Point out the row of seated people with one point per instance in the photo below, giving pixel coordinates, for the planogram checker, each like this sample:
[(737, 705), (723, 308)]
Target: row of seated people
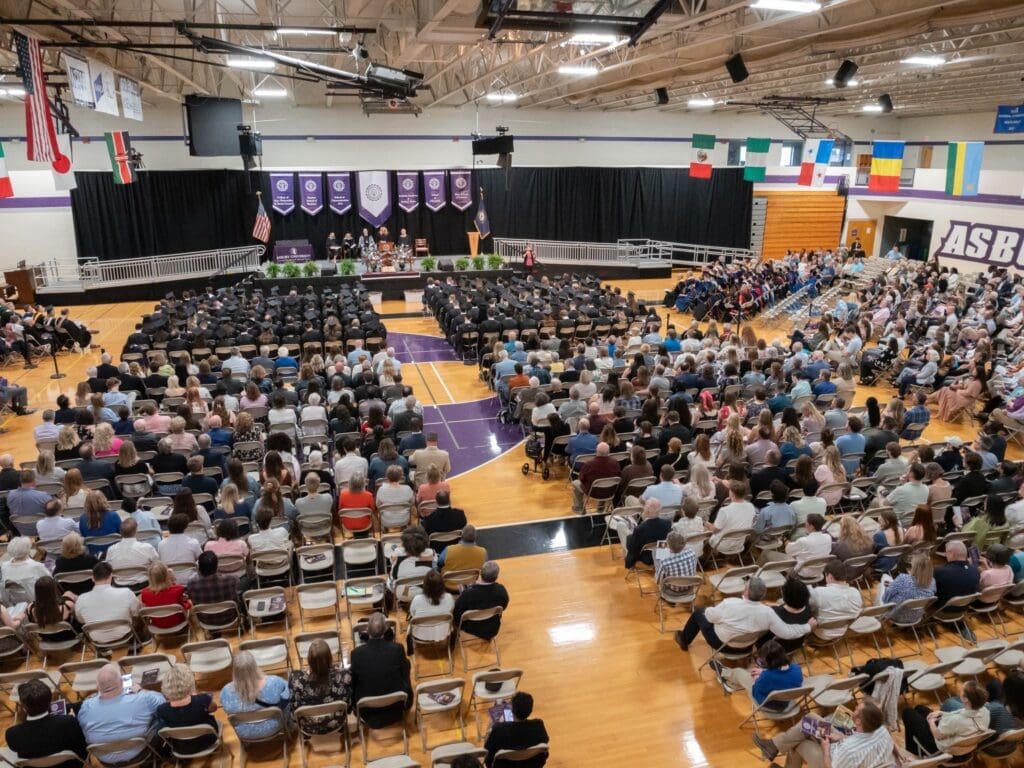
[(35, 330)]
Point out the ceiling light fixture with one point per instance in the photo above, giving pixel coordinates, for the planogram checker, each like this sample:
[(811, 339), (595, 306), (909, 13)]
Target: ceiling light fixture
[(701, 102), (501, 97), (872, 108), (794, 6), (304, 31), (579, 71), (851, 83), (14, 93), (270, 93), (249, 63), (596, 38), (924, 61)]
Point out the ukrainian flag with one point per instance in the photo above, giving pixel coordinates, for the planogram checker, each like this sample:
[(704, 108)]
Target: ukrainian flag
[(963, 167), (886, 165)]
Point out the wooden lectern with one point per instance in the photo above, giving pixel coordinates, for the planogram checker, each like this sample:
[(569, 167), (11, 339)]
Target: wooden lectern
[(24, 283)]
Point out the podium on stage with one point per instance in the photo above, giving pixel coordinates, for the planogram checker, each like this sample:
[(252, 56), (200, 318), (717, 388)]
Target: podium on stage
[(23, 281), (298, 251)]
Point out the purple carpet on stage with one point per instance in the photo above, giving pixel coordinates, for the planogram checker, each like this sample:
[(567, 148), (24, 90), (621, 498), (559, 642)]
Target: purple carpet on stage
[(470, 432)]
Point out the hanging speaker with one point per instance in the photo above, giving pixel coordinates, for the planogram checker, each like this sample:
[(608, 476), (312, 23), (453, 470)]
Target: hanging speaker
[(662, 94), (844, 74), (885, 102), (737, 69)]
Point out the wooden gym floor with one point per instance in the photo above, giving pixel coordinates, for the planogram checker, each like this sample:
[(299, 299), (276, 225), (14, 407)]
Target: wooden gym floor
[(612, 690)]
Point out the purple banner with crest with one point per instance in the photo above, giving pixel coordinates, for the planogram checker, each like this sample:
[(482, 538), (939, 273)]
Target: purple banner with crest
[(433, 184), (408, 190), (462, 189), (282, 192), (374, 196), (339, 191), (311, 193)]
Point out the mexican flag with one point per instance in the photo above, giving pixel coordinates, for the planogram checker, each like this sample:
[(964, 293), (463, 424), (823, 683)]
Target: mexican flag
[(757, 159), (700, 163), (6, 190)]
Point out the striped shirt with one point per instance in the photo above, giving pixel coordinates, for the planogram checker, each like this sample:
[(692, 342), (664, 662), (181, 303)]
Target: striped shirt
[(863, 750)]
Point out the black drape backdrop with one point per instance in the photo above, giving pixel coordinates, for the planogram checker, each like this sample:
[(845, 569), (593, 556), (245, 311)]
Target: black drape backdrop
[(179, 211)]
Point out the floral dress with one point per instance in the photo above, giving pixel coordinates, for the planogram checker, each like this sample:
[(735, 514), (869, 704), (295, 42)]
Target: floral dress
[(307, 693)]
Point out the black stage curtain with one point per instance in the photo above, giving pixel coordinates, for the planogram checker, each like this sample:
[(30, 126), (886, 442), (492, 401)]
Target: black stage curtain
[(178, 211)]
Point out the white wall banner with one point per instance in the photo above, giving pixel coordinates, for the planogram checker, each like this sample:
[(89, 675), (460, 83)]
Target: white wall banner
[(131, 99), (80, 81), (993, 244), (104, 86)]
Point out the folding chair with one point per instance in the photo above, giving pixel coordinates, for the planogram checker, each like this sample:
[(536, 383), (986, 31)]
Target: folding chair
[(431, 625), (320, 599), (731, 544), (271, 653), (814, 641), (917, 608), (676, 591), (50, 761), (990, 604), (442, 756), (733, 581), (263, 715), (360, 553), (953, 613), (54, 638), (218, 617), (369, 703), (973, 661), (303, 640), (113, 753), (794, 703), (432, 698), (506, 682), (831, 692), (176, 738), (322, 712), (316, 561), (209, 657), (928, 678), (465, 636), (158, 614), (367, 592), (138, 666), (272, 564), (10, 681), (316, 527), (107, 636), (509, 758), (80, 676)]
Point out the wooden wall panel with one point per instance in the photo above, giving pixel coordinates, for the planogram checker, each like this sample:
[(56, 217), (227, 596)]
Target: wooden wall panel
[(797, 220)]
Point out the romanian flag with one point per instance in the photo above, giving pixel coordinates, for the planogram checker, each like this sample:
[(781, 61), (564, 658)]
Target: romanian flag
[(701, 163), (963, 167), (756, 162), (119, 147), (6, 190), (886, 166), (815, 162)]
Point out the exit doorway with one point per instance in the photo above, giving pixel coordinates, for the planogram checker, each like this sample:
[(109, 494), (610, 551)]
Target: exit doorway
[(912, 237)]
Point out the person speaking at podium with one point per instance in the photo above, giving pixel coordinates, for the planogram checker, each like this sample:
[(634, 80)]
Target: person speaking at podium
[(366, 243)]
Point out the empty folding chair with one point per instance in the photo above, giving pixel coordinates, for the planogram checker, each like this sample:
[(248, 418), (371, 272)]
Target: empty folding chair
[(316, 562), (369, 704), (80, 676), (431, 632), (365, 593), (323, 724), (319, 600), (439, 697), (928, 678)]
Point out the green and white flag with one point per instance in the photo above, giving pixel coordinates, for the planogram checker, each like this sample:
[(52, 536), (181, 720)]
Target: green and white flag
[(757, 159)]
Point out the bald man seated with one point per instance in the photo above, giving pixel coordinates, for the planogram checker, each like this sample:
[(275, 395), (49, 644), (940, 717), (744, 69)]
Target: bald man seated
[(110, 714)]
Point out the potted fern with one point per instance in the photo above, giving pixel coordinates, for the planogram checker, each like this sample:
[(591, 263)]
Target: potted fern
[(311, 269), (428, 264), (494, 261), (478, 262), (273, 270), (461, 264), (291, 270), (346, 267)]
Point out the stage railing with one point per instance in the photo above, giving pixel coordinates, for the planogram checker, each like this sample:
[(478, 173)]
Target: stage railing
[(93, 273), (638, 252)]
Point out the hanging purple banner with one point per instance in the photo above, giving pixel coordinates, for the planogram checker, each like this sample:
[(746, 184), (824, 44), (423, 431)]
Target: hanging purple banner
[(282, 192), (408, 191), (462, 189), (374, 196), (433, 183), (311, 193), (339, 191)]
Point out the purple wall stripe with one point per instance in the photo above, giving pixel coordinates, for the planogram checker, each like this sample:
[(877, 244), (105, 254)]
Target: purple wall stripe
[(35, 202)]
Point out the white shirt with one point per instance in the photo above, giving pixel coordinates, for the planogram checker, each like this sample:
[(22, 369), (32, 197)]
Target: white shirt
[(131, 553), (236, 365), (817, 544), (46, 431), (314, 413), (832, 603), (737, 616), (733, 517), (180, 548), (348, 465), (421, 606), (24, 573), (272, 538), (107, 603), (56, 527)]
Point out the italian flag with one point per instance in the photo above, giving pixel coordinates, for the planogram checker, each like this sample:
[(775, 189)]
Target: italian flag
[(119, 149), (700, 164), (6, 190), (757, 159)]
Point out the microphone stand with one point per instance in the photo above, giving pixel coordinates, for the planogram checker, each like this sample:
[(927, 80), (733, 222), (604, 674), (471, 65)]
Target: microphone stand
[(56, 370)]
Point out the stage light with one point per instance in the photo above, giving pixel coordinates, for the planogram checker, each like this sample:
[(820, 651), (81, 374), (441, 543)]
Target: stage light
[(250, 63), (794, 6), (270, 93), (872, 108), (502, 97), (578, 71), (924, 61), (700, 102), (305, 31)]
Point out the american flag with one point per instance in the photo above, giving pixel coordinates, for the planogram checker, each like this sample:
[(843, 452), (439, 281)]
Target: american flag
[(261, 229), (42, 139)]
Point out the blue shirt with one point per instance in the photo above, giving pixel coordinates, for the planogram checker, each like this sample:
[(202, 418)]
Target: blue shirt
[(669, 494), (273, 693), (288, 362), (851, 442), (125, 717), (774, 515), (823, 388), (505, 367), (790, 676), (110, 524), (779, 403), (581, 443)]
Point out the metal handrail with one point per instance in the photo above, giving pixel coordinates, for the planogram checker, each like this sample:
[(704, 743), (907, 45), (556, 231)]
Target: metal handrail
[(93, 273), (640, 252)]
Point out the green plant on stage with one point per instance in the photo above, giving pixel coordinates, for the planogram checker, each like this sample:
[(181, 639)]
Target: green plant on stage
[(428, 264), (494, 261), (461, 264), (273, 270), (291, 270), (346, 267), (311, 269), (478, 262)]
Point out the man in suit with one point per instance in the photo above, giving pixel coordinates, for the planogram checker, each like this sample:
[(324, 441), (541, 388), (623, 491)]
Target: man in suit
[(521, 733), (43, 734), (93, 469), (486, 593), (445, 518), (761, 480), (380, 666), (430, 456)]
